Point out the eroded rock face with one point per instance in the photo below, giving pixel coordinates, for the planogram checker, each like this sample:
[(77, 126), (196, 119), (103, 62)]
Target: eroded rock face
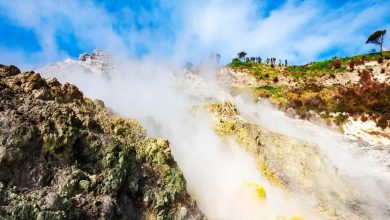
[(295, 165), (64, 156)]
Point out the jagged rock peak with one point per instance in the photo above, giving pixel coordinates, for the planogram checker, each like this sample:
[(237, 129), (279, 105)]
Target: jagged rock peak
[(97, 61), (95, 55)]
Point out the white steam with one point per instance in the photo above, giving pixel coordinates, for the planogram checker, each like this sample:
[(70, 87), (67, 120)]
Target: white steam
[(363, 164), (217, 171), (160, 96)]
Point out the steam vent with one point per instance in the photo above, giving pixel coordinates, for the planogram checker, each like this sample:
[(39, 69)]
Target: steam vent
[(194, 110)]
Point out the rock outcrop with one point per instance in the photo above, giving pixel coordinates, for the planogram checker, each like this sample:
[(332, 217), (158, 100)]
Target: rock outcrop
[(295, 165), (98, 61), (64, 156)]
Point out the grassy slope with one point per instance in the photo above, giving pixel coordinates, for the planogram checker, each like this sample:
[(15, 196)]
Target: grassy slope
[(310, 70), (369, 97)]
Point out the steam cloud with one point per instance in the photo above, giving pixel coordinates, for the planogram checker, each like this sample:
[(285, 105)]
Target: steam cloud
[(160, 96), (217, 172), (153, 90)]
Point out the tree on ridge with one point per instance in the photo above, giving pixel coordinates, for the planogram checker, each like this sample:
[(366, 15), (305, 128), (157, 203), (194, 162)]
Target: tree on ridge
[(377, 38), (241, 55)]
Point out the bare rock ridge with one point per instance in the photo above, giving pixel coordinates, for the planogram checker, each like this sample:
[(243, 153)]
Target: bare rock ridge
[(64, 156)]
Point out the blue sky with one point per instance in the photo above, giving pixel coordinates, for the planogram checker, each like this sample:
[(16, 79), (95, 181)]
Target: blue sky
[(34, 33)]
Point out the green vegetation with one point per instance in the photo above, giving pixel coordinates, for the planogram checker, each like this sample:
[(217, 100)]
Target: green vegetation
[(271, 89), (327, 66), (260, 71), (369, 56), (236, 63), (333, 66)]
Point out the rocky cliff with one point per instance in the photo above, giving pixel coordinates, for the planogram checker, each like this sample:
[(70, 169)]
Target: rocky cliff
[(64, 156)]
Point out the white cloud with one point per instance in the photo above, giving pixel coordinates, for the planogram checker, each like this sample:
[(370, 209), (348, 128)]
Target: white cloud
[(298, 30), (90, 24)]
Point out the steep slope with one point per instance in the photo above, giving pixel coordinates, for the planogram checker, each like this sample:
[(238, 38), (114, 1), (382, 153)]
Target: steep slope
[(299, 166), (64, 156)]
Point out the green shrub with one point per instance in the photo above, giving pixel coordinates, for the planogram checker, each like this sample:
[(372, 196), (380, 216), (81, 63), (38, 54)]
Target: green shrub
[(271, 89)]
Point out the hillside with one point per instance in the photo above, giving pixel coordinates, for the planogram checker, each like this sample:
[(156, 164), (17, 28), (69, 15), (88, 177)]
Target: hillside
[(350, 93), (64, 156)]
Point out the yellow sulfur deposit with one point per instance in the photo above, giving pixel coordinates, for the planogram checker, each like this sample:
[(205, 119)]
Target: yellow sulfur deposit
[(260, 190), (269, 174), (295, 218)]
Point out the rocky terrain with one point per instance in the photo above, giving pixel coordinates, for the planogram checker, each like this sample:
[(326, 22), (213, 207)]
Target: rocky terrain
[(296, 165), (350, 94), (64, 156)]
